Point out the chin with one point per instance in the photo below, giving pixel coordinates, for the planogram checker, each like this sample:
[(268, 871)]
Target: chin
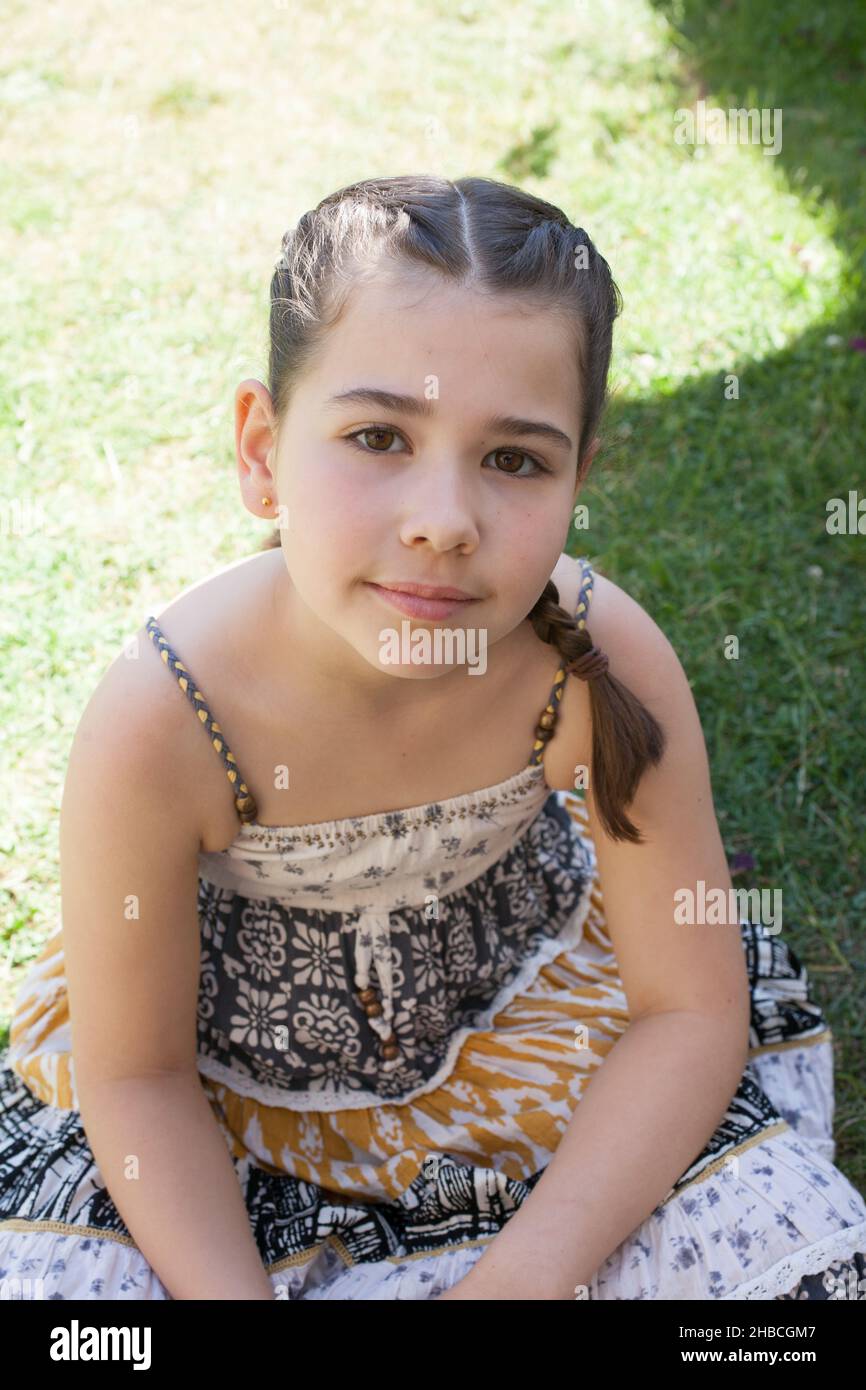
[(405, 671)]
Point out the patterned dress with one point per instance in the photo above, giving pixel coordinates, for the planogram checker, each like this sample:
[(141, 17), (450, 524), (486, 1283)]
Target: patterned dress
[(397, 1015)]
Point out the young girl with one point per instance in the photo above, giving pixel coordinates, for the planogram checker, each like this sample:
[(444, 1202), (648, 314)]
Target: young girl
[(386, 989)]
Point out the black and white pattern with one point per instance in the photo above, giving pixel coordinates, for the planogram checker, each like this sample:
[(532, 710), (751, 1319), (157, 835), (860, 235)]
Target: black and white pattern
[(49, 1181), (278, 1007)]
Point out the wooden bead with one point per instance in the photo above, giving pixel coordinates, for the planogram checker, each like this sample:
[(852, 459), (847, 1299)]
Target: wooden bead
[(367, 995), (389, 1052), (373, 1009), (547, 720)]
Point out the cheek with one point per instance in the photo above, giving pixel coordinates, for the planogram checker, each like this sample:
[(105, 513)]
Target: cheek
[(532, 540), (531, 532), (327, 503), (332, 512)]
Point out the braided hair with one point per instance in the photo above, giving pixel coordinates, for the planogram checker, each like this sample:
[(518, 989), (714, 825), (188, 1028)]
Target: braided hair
[(617, 715)]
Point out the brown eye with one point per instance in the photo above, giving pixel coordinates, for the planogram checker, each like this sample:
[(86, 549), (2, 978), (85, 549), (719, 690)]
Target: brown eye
[(514, 454), (389, 434), (377, 430), (519, 456)]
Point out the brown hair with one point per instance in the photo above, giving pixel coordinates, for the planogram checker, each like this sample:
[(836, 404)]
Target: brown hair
[(496, 239)]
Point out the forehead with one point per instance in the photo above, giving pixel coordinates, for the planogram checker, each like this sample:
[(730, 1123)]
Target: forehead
[(398, 328)]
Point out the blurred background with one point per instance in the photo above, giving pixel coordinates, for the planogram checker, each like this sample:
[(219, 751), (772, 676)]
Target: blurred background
[(151, 157)]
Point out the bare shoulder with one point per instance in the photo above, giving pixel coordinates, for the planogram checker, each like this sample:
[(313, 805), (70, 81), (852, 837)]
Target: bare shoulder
[(639, 654), (138, 718), (133, 734)]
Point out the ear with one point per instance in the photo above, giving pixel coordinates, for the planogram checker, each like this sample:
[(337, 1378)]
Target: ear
[(255, 446), (583, 470)]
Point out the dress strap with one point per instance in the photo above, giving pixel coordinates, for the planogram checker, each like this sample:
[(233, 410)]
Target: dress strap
[(245, 804), (549, 715)]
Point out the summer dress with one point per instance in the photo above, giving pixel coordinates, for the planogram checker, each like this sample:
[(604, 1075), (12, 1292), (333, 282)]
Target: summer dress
[(397, 1015)]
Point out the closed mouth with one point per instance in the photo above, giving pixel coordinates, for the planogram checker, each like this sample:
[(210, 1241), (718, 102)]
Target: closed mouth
[(426, 591)]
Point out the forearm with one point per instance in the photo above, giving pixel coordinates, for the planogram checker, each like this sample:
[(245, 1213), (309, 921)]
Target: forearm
[(643, 1118), (171, 1177)]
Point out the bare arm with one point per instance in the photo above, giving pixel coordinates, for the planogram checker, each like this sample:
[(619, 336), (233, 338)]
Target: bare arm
[(130, 832), (646, 1114), (171, 1177)]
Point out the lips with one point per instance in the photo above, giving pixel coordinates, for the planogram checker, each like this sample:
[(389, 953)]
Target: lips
[(424, 590), (418, 605)]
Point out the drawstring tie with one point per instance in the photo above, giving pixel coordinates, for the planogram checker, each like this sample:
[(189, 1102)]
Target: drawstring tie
[(374, 948)]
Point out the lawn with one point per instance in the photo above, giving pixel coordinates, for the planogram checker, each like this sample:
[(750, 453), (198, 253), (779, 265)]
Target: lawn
[(151, 157)]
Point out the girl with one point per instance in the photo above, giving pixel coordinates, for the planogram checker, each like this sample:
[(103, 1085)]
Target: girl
[(376, 992)]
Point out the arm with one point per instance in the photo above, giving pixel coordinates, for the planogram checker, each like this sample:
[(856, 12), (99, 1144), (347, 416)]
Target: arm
[(644, 1117), (665, 1086), (180, 1198), (129, 840)]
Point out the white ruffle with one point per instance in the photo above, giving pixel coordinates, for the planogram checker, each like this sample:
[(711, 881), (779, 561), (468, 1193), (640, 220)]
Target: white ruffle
[(783, 1277), (799, 1083), (767, 1217), (411, 1280), (73, 1266)]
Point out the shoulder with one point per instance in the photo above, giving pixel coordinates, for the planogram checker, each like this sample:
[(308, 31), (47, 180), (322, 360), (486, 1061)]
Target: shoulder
[(639, 654), (205, 626), (128, 770), (135, 728)]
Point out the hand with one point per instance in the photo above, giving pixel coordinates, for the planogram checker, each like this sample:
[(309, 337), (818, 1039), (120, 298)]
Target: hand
[(474, 1286), (478, 1284)]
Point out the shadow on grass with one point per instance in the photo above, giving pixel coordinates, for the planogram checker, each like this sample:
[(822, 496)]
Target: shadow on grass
[(713, 514)]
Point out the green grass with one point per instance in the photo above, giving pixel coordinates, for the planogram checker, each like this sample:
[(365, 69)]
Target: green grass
[(146, 188)]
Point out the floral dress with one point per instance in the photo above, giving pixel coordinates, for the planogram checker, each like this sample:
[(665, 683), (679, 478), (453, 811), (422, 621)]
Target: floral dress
[(397, 1016)]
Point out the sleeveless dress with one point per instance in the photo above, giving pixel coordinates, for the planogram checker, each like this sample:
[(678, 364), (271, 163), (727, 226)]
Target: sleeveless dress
[(397, 1016)]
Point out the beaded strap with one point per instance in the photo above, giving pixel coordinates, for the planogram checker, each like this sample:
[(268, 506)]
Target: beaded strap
[(244, 801), (546, 726)]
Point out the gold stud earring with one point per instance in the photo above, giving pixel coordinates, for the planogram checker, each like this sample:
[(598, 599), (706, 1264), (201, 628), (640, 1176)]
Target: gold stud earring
[(266, 501)]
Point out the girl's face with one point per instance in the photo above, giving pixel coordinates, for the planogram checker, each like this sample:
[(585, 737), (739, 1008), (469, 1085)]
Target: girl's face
[(428, 488)]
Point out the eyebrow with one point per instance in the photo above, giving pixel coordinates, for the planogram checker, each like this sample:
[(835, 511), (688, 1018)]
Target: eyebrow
[(511, 425)]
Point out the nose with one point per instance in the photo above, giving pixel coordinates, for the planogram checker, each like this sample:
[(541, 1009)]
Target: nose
[(440, 509)]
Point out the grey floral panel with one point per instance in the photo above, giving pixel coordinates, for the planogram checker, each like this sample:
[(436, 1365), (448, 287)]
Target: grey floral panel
[(278, 1001)]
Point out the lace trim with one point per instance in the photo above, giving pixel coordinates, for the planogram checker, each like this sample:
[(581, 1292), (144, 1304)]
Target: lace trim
[(21, 1225), (248, 1086), (782, 1277)]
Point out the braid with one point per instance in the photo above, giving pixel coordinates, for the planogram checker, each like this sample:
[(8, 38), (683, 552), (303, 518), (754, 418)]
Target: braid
[(626, 738)]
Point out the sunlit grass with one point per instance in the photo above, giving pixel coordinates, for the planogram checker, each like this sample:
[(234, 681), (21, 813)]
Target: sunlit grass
[(151, 158)]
